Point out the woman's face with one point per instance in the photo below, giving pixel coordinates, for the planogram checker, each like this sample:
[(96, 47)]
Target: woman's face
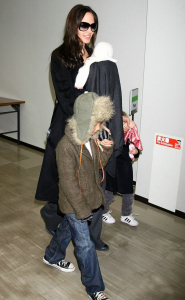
[(85, 36)]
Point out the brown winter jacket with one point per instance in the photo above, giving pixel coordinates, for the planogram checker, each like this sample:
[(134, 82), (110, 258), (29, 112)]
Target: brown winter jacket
[(68, 161)]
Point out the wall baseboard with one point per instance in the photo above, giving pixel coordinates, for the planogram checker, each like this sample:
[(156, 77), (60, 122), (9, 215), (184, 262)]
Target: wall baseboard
[(177, 213), (22, 143)]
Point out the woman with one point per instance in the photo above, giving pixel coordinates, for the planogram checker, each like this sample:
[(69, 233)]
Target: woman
[(81, 29)]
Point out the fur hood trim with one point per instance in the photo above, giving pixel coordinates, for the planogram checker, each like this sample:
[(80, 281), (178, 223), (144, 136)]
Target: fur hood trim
[(100, 110)]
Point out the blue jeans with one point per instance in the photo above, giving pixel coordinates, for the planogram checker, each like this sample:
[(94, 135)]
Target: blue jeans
[(85, 251)]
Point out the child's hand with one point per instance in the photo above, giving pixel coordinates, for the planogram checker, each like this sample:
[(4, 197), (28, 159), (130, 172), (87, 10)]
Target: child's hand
[(132, 157), (105, 143), (132, 124), (133, 151), (125, 127), (79, 88), (126, 124), (107, 129)]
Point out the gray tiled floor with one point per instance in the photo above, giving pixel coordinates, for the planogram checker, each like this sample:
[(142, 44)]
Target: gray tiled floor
[(143, 263)]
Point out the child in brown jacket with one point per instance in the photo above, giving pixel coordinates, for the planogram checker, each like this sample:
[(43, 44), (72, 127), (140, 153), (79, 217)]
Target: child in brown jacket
[(79, 160)]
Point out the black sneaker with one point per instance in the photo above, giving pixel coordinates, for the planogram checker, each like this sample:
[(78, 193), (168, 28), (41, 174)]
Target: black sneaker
[(63, 265), (98, 296)]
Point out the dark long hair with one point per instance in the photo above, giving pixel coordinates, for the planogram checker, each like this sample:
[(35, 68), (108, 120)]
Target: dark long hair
[(70, 52)]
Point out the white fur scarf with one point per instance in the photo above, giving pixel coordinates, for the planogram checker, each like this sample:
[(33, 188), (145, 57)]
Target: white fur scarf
[(103, 51)]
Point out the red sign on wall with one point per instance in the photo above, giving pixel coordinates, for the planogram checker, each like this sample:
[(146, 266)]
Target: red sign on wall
[(168, 142)]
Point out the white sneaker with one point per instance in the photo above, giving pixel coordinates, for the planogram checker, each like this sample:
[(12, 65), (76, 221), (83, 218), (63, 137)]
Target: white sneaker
[(62, 265), (98, 296), (129, 220), (107, 218)]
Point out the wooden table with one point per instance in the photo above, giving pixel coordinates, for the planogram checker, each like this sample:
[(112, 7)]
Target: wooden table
[(15, 104)]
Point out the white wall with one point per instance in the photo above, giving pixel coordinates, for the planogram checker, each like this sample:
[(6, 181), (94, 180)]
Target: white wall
[(164, 82), (30, 30)]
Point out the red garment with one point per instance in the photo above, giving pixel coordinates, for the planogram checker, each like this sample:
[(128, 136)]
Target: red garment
[(132, 135)]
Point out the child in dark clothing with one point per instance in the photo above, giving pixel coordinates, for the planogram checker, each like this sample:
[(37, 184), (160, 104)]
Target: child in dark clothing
[(123, 182)]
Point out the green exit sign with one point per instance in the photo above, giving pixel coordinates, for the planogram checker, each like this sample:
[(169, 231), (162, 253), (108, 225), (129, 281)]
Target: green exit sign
[(133, 104)]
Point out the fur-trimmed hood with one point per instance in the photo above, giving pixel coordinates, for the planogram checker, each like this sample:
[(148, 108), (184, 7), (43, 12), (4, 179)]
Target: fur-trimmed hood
[(89, 109)]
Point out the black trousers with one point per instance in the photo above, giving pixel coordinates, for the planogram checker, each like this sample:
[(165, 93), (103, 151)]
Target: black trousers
[(52, 218)]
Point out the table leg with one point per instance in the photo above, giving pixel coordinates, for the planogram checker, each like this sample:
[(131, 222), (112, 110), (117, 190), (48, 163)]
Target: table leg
[(18, 123), (17, 109)]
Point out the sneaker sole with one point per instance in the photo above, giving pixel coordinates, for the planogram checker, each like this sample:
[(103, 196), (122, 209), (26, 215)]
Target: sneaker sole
[(91, 297), (108, 222), (57, 267), (129, 224)]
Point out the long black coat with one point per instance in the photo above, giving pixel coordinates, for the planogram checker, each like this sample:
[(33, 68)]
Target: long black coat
[(123, 181), (63, 82), (104, 80)]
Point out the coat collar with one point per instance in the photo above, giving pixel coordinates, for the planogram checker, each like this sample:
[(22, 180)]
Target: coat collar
[(68, 133)]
